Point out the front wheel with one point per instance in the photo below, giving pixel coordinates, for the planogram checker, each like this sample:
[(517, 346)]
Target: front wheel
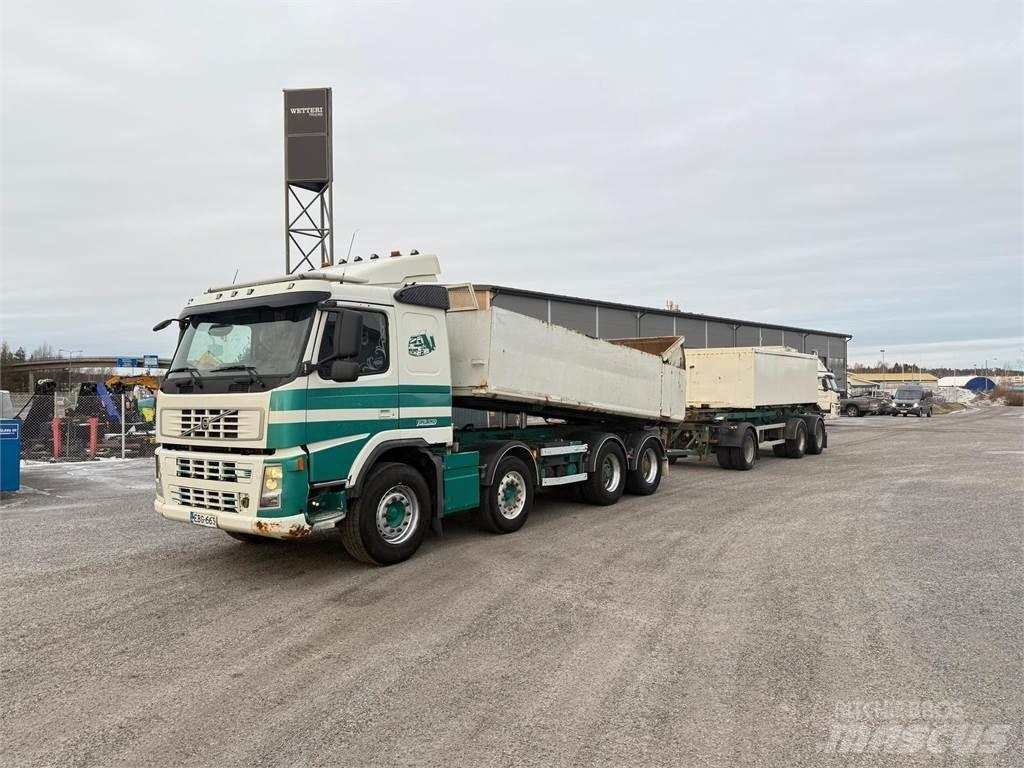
[(387, 523), (852, 410), (929, 414), (645, 479), (505, 505), (606, 483)]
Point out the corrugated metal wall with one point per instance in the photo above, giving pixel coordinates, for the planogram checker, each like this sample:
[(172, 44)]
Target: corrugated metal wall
[(617, 323)]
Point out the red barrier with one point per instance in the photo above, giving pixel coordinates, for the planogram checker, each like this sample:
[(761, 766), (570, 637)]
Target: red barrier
[(94, 436), (56, 439)]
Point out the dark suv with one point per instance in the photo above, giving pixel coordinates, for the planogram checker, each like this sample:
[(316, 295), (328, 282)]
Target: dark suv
[(915, 400)]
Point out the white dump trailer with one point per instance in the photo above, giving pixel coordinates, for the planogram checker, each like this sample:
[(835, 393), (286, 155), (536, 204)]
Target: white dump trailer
[(750, 377), (742, 398), (500, 359)]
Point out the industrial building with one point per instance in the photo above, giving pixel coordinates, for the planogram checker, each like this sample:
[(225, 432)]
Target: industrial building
[(610, 320)]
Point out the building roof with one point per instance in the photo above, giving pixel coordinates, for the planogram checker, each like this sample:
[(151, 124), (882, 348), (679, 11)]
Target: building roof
[(855, 380), (963, 381), (655, 310), (879, 378)]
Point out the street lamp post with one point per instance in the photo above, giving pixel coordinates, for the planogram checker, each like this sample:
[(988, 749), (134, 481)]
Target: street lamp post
[(883, 361)]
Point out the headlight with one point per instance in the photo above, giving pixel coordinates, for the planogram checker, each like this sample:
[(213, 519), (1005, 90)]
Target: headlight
[(270, 496)]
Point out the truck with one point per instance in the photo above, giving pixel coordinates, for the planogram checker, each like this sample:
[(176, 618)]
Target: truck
[(329, 399), (326, 399), (828, 392), (740, 399)]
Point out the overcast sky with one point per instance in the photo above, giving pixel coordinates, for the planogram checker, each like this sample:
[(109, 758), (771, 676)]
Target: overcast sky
[(853, 167)]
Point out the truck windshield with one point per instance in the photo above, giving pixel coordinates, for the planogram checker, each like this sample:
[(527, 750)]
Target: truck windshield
[(269, 341)]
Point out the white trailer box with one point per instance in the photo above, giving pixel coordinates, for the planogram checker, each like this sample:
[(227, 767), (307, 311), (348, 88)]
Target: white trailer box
[(750, 377), (498, 355)]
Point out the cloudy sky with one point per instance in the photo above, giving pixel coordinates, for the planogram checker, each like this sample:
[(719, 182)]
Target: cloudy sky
[(854, 167)]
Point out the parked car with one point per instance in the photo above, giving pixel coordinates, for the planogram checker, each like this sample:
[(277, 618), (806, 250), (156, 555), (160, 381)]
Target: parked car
[(876, 401), (916, 400)]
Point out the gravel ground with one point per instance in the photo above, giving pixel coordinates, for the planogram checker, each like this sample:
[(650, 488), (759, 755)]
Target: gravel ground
[(792, 615)]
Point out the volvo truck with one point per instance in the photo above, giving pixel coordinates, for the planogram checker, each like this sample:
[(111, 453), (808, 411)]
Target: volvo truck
[(325, 399)]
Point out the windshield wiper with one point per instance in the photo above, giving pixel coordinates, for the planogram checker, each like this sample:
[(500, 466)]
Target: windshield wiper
[(254, 375), (191, 371)]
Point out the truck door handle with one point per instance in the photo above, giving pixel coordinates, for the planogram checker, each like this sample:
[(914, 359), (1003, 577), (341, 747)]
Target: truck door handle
[(385, 413)]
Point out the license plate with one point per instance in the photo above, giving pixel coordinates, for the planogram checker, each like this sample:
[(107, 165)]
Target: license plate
[(201, 518)]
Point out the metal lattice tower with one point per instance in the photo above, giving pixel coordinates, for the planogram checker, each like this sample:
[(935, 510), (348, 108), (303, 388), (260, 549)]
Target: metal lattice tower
[(308, 180)]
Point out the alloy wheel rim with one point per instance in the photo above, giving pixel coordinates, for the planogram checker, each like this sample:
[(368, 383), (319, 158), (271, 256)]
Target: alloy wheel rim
[(511, 495), (649, 465), (611, 472), (398, 514)]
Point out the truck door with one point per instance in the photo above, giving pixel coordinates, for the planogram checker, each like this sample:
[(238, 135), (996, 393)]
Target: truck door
[(343, 418), (425, 399)]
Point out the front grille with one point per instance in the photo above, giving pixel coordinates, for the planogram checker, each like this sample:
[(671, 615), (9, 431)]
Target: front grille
[(203, 498), (213, 469), (212, 423)]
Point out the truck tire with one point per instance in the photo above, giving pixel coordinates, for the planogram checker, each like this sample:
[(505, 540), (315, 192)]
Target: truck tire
[(796, 446), (852, 410), (929, 414), (724, 457), (816, 438), (645, 479), (604, 486), (506, 503), (745, 455), (387, 522)]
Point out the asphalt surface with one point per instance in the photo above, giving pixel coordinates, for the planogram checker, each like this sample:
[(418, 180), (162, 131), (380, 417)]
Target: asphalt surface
[(734, 618)]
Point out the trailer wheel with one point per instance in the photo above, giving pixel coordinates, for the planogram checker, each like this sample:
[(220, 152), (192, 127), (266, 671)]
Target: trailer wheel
[(387, 523), (745, 455), (816, 438), (604, 486), (724, 457), (645, 479), (506, 503), (796, 446)]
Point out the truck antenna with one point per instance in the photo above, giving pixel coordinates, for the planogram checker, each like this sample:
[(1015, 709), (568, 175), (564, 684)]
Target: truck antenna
[(348, 255), (235, 277)]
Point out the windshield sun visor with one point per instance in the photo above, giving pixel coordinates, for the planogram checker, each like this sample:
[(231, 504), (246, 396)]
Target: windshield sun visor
[(273, 301)]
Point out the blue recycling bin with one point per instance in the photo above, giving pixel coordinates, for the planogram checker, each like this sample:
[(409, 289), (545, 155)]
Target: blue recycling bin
[(10, 454)]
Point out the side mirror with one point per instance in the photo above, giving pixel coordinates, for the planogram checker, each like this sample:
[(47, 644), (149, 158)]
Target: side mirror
[(348, 335), (344, 370)]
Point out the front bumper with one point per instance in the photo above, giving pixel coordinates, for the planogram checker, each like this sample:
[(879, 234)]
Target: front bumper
[(292, 527), (227, 488)]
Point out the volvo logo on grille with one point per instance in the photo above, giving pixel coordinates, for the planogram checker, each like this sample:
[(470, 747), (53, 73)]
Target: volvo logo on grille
[(206, 421)]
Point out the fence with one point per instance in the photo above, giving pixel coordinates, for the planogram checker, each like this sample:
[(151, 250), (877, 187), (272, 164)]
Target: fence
[(62, 425)]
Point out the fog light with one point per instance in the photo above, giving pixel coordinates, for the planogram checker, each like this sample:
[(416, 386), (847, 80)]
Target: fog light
[(270, 497)]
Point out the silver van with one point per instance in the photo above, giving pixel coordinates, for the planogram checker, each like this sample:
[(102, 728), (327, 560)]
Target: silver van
[(915, 400)]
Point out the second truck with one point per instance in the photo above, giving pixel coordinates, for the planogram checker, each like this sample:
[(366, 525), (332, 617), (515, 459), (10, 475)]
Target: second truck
[(334, 399)]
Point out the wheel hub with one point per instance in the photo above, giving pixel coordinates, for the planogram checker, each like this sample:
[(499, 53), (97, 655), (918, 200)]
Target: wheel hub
[(398, 514), (511, 495)]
